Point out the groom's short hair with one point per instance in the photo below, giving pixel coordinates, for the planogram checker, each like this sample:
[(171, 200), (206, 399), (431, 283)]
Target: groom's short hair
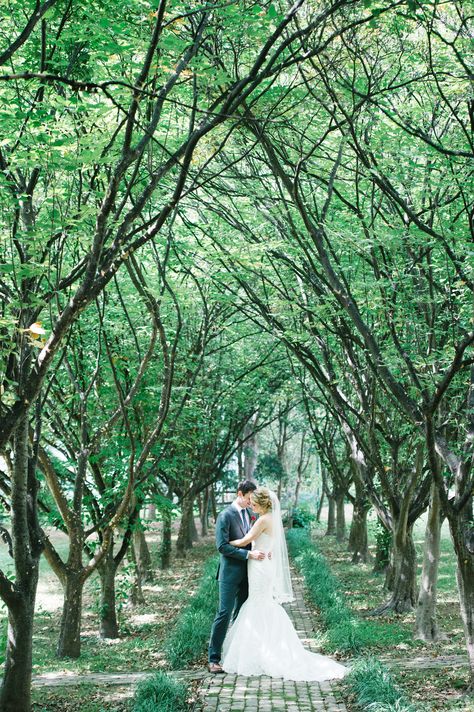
[(246, 486)]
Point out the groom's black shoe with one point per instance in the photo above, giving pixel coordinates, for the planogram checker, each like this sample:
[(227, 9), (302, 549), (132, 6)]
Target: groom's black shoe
[(215, 668)]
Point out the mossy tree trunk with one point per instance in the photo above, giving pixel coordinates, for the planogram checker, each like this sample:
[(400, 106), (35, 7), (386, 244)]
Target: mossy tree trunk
[(358, 537), (184, 541), (340, 516), (426, 620), (331, 525), (383, 549), (204, 511), (108, 621), (142, 554), (165, 545), (19, 595), (403, 594)]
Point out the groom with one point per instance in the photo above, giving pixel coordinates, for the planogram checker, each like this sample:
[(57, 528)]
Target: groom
[(232, 523)]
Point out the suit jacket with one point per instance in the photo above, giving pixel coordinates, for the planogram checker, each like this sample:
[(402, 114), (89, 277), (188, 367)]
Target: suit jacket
[(233, 560)]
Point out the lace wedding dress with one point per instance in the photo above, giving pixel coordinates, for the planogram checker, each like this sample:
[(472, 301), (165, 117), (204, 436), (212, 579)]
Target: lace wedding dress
[(263, 641)]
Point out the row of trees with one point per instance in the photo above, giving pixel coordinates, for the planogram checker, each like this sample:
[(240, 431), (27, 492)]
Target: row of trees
[(180, 239), (358, 262)]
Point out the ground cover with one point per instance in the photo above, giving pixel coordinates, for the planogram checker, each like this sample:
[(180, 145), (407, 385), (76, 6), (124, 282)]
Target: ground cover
[(144, 630), (83, 698), (434, 689)]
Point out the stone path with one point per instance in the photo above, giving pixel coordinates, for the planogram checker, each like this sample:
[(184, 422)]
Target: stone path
[(426, 662), (234, 693), (61, 679)]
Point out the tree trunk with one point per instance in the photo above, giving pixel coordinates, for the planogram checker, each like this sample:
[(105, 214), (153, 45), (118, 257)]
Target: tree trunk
[(340, 518), (165, 546), (404, 566), (15, 695), (426, 622), (142, 555), (280, 484), (136, 597), (184, 541), (383, 547), (319, 506), (331, 527), (240, 461), (213, 504), (250, 450), (108, 627), (150, 512), (358, 538), (69, 643), (204, 511), (297, 492), (193, 532), (465, 581)]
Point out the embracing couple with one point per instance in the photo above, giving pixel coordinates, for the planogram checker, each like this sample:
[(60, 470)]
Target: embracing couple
[(254, 580)]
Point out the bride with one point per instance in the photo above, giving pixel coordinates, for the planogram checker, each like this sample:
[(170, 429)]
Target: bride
[(263, 641)]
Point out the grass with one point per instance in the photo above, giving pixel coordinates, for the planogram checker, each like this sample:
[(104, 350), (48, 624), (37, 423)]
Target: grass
[(161, 693), (190, 637), (346, 632), (363, 591), (144, 628), (375, 689), (441, 689), (82, 698)]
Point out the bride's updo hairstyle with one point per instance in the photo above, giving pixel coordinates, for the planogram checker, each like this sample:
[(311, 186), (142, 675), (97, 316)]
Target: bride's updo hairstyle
[(261, 496)]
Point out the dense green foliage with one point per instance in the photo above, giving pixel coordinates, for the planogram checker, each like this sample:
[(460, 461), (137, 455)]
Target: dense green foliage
[(183, 248)]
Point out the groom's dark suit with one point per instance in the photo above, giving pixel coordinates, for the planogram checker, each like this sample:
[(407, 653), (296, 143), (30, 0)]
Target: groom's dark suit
[(232, 574)]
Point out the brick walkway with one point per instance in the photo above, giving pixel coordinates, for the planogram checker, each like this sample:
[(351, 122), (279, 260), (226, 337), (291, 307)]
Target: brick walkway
[(234, 693)]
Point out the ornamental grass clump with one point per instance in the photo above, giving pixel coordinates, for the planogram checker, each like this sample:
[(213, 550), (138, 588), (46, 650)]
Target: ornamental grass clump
[(346, 632), (161, 693), (298, 540), (375, 689), (324, 591), (190, 636)]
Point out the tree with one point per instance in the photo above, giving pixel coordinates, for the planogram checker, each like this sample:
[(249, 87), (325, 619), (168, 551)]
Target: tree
[(90, 173)]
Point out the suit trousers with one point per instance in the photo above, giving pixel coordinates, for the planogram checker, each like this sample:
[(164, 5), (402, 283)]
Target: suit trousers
[(231, 597)]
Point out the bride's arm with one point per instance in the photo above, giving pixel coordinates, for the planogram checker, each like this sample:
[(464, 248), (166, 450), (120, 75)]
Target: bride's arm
[(252, 534)]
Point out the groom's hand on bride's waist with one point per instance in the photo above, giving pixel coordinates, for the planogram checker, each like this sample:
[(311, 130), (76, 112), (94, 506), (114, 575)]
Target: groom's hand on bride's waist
[(256, 554)]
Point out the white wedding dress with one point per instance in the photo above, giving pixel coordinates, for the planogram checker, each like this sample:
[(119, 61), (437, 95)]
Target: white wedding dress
[(263, 641)]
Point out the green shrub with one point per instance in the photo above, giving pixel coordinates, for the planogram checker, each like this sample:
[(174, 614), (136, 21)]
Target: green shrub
[(375, 689), (161, 693), (301, 518), (189, 638)]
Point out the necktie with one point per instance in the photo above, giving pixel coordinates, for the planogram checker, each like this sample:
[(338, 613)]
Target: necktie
[(243, 514)]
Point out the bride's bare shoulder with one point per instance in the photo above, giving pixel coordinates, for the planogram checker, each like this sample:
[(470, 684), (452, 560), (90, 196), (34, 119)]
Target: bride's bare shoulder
[(267, 521)]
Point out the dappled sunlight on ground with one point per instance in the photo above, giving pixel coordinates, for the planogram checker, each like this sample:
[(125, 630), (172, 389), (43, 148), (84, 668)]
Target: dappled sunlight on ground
[(142, 618), (48, 599)]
